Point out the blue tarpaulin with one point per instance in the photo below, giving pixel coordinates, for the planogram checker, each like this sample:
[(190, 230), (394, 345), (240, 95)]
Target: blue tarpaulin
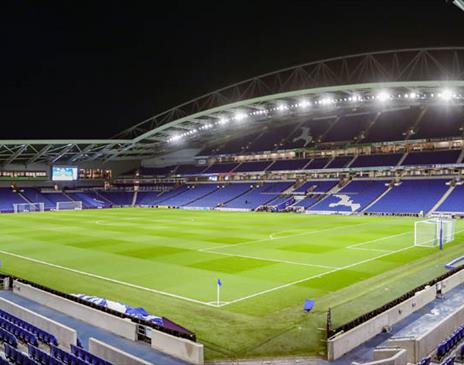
[(136, 312)]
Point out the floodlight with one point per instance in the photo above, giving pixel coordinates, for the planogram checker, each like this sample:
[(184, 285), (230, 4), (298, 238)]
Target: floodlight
[(383, 96), (240, 116), (446, 94)]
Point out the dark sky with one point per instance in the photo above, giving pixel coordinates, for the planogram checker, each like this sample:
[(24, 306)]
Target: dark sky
[(76, 69)]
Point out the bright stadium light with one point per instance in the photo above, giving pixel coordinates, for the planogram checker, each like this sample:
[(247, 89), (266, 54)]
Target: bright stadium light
[(303, 104), (240, 116), (383, 96), (446, 94)]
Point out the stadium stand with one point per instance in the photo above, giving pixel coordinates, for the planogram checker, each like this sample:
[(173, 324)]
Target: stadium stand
[(288, 165), (349, 127), (391, 125), (353, 197), (190, 195), (121, 198), (411, 197), (254, 166), (450, 123), (339, 162), (189, 170), (432, 158), (258, 195), (454, 203), (8, 198), (221, 196), (377, 160), (220, 168)]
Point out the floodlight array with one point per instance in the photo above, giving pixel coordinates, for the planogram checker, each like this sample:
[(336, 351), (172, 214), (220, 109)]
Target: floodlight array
[(380, 96)]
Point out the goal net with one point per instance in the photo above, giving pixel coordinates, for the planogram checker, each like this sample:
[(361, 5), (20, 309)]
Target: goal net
[(28, 207), (70, 205), (433, 232)]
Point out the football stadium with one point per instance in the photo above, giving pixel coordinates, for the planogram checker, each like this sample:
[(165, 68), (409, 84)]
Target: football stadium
[(310, 215)]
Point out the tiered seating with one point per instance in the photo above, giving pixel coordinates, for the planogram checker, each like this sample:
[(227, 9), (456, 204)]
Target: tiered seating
[(307, 133), (8, 198), (189, 170), (307, 201), (377, 160), (348, 127), (18, 332), (425, 361), (271, 139), (221, 168), (431, 158), (18, 357), (353, 197), (146, 197), (42, 357), (411, 197), (317, 164), (88, 357), (42, 335), (288, 165), (159, 200), (392, 125), (259, 196), (65, 357), (318, 186), (441, 122), (222, 195), (118, 197), (48, 198), (454, 203), (252, 166), (190, 195), (449, 343), (339, 162), (87, 200), (9, 338)]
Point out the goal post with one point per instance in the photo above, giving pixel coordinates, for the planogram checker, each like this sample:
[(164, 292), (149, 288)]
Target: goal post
[(434, 232), (28, 207), (69, 205)]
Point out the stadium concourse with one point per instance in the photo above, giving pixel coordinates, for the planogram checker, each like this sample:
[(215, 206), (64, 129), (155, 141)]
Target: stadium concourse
[(234, 209)]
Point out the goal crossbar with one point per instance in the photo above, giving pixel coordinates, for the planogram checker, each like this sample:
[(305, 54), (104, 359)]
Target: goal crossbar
[(69, 205), (28, 207)]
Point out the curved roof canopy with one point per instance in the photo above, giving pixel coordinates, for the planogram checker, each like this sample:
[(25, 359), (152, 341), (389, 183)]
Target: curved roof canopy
[(338, 83)]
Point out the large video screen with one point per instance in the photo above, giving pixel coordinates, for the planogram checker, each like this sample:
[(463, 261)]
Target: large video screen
[(64, 173)]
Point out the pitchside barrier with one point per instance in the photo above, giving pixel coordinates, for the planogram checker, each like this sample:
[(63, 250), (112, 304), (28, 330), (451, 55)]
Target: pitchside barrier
[(345, 338), (179, 343)]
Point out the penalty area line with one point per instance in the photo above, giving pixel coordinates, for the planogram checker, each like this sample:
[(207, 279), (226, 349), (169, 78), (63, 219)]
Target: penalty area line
[(313, 277), (108, 279)]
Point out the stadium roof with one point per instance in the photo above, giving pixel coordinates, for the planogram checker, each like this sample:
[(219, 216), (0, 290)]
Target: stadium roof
[(336, 81)]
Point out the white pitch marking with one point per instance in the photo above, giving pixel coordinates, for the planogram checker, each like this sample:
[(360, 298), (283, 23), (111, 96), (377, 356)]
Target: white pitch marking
[(288, 236), (313, 277), (107, 279), (273, 260), (376, 240)]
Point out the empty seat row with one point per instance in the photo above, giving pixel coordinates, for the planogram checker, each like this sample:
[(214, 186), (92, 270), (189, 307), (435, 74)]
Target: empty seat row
[(449, 361), (9, 338), (87, 356), (42, 335), (425, 361), (65, 357), (18, 332), (446, 345), (42, 357), (18, 357)]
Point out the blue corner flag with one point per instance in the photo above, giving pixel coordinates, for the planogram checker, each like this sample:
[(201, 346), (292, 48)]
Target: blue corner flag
[(219, 283)]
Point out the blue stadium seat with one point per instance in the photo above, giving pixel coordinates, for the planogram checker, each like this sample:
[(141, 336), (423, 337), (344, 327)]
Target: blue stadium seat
[(88, 357), (42, 335), (65, 357), (18, 357)]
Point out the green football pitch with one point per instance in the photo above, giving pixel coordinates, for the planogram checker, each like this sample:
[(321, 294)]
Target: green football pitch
[(169, 261)]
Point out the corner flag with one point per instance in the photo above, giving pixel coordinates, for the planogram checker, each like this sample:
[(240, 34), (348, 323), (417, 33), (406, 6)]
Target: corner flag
[(219, 284)]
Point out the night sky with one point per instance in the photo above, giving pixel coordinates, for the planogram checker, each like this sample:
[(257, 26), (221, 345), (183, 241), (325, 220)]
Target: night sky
[(76, 69)]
